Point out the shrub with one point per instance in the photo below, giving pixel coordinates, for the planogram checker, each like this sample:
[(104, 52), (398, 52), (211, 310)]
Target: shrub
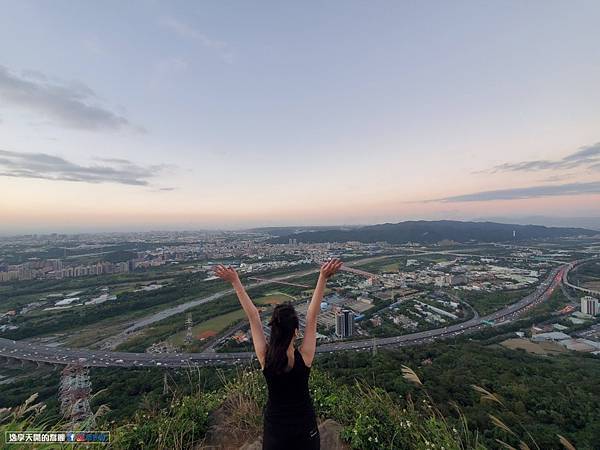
[(180, 426)]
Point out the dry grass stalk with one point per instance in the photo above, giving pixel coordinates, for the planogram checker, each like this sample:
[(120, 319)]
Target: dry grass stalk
[(505, 445), (410, 375), (565, 442), (496, 421), (485, 394)]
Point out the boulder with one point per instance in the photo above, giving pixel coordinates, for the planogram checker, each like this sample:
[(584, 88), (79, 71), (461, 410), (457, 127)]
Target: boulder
[(329, 430), (256, 445), (331, 439)]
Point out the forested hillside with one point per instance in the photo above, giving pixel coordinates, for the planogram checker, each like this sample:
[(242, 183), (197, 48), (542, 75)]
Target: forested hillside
[(423, 231)]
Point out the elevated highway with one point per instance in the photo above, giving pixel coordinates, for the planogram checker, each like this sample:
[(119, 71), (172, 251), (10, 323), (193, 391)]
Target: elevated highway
[(570, 267)]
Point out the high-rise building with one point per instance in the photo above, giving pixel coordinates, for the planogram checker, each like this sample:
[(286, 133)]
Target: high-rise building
[(589, 305), (56, 264), (344, 323)]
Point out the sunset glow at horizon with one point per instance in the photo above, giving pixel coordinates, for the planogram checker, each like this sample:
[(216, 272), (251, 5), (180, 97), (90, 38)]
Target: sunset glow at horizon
[(184, 115)]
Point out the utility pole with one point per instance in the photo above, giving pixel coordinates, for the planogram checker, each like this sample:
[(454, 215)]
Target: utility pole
[(188, 334), (165, 384)]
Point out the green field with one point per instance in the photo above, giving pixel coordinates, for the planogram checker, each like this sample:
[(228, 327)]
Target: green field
[(309, 292), (392, 267), (274, 298), (214, 325), (382, 264), (169, 327), (488, 302), (222, 322), (586, 275)]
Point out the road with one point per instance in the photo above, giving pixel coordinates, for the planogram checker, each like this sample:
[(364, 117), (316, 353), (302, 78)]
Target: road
[(578, 288), (12, 351)]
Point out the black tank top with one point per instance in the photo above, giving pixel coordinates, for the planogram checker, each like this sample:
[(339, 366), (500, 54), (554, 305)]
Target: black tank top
[(289, 400)]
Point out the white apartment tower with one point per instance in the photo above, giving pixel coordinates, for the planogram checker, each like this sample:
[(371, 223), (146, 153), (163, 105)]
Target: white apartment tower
[(589, 305), (344, 323)]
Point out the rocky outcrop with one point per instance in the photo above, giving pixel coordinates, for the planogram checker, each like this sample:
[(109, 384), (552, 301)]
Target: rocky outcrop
[(329, 429), (331, 438)]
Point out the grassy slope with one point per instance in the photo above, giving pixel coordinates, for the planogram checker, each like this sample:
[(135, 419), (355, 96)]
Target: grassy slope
[(541, 396)]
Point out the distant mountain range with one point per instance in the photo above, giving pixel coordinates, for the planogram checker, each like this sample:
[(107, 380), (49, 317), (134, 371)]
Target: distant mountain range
[(592, 223), (426, 232)]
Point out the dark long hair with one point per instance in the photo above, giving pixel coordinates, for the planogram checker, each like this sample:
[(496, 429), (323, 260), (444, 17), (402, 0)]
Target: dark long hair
[(284, 324)]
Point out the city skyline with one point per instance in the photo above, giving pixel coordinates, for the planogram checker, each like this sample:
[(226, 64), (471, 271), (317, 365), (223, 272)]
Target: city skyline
[(197, 116)]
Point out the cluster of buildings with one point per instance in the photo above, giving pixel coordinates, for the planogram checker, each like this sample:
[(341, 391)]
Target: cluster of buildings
[(418, 308), (568, 342), (58, 301), (37, 269), (255, 249), (589, 308), (55, 269), (476, 275), (556, 335), (338, 315)]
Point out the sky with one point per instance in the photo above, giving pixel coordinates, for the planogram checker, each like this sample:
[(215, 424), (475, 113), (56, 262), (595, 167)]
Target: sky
[(220, 114)]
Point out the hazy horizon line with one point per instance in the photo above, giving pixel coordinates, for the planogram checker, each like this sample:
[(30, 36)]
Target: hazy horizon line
[(550, 221)]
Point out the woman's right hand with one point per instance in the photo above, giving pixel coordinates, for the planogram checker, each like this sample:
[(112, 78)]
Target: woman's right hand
[(331, 267), (226, 273)]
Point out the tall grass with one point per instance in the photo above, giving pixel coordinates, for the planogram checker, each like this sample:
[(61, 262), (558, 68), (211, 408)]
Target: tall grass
[(27, 417), (371, 418), (181, 425), (522, 437)]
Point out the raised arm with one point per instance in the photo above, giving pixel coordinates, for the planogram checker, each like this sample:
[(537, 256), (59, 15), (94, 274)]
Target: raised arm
[(258, 335), (309, 344)]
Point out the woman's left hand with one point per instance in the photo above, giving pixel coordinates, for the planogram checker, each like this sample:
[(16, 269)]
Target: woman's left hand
[(227, 273), (331, 267)]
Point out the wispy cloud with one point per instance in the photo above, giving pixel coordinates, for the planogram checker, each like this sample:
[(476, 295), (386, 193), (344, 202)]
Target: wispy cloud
[(585, 157), (549, 190), (70, 104), (51, 167), (167, 70), (187, 31)]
